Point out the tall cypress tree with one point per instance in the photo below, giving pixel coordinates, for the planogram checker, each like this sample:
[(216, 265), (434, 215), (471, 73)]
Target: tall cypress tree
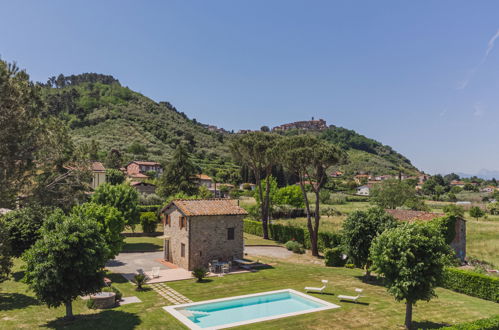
[(178, 176)]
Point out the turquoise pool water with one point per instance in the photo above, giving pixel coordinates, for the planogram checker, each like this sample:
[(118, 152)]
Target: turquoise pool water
[(249, 308)]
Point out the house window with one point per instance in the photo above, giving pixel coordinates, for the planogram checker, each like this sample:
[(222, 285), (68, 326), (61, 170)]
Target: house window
[(182, 250), (182, 222), (230, 234)]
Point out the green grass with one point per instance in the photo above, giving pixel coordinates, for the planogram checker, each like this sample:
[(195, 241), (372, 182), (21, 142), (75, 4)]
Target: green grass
[(19, 308), (257, 240), (142, 244)]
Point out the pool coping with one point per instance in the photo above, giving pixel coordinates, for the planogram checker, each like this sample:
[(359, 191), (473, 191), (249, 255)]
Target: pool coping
[(191, 325)]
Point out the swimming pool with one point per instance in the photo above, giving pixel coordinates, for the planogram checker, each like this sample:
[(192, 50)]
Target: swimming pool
[(234, 311)]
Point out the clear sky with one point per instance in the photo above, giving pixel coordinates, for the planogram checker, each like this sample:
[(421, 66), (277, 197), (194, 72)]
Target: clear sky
[(421, 76)]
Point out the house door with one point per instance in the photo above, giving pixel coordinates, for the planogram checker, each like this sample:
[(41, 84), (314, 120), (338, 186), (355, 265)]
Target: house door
[(166, 250)]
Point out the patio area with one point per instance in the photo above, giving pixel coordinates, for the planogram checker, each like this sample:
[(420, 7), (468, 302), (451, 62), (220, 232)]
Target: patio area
[(128, 264)]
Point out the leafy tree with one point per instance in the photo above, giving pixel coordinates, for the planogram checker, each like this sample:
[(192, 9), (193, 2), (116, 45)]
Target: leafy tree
[(271, 193), (359, 230), (411, 259), (438, 191), (470, 187), (110, 222), (149, 222), (5, 252), (455, 210), (137, 148), (289, 195), (309, 158), (493, 208), (416, 203), (265, 129), (257, 151), (430, 184), (114, 176), (20, 131), (476, 212), (178, 175), (392, 193), (114, 159), (23, 226), (67, 261), (123, 197)]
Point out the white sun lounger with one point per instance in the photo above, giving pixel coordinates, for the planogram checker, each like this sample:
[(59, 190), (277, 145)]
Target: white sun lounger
[(352, 298), (320, 290)]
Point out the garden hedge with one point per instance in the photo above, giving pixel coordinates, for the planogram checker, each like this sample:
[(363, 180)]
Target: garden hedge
[(149, 208), (491, 323), (471, 283), (333, 257), (283, 233)]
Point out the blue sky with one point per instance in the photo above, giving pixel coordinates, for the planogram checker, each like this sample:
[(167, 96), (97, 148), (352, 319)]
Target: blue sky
[(420, 76)]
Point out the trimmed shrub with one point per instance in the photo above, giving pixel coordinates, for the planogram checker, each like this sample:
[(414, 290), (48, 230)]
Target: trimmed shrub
[(491, 323), (471, 283), (284, 233), (351, 266), (333, 257), (149, 208), (148, 221), (295, 247), (90, 304)]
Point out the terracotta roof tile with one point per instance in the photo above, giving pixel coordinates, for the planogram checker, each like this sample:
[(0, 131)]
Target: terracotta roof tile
[(410, 215), (98, 167), (197, 207), (203, 177), (141, 162)]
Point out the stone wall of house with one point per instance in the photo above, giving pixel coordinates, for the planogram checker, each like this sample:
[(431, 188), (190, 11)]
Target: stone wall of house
[(459, 242), (177, 237), (146, 189), (209, 239)]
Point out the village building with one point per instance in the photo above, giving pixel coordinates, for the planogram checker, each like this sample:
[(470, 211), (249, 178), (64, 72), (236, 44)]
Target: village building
[(363, 190), (247, 186), (144, 187), (336, 174), (457, 183), (137, 170), (201, 230), (204, 180), (361, 178), (459, 241), (319, 124), (98, 174), (488, 189)]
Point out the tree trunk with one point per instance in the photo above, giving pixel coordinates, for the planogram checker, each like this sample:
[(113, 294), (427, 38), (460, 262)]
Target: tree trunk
[(315, 230), (307, 209), (69, 310), (408, 315), (262, 206), (368, 270)]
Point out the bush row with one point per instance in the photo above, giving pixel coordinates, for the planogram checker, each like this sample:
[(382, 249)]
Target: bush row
[(333, 257), (149, 208), (471, 283), (490, 323), (283, 233)]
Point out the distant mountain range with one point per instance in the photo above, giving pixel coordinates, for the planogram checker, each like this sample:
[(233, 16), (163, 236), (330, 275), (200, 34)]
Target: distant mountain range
[(483, 173)]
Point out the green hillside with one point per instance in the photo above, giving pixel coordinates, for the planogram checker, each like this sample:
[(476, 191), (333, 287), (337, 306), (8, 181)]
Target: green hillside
[(106, 115)]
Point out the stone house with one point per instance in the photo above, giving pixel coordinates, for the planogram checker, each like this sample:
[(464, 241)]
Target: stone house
[(459, 241), (200, 230), (144, 187), (137, 169), (204, 180), (363, 190), (98, 174)]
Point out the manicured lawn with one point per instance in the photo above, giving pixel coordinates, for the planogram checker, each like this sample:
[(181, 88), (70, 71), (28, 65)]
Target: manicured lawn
[(257, 240), (142, 244), (19, 309), (483, 239)]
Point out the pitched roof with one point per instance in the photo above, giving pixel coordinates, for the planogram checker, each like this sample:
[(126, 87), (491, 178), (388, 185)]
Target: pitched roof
[(137, 175), (147, 163), (203, 177), (215, 206), (140, 183), (410, 215), (98, 167)]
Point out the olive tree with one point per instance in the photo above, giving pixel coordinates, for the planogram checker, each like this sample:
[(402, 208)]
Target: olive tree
[(411, 258), (67, 261)]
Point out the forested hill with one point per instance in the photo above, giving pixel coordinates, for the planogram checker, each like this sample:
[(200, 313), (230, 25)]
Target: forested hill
[(106, 115)]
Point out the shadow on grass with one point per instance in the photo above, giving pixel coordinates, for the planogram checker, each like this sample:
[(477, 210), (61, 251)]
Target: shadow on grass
[(318, 294), (427, 325), (354, 303), (110, 319), (371, 280), (116, 278), (9, 301), (17, 276), (144, 289), (140, 247)]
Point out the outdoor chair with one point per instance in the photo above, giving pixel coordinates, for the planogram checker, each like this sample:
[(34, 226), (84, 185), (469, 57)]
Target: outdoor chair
[(155, 272), (225, 268), (318, 290), (352, 298)]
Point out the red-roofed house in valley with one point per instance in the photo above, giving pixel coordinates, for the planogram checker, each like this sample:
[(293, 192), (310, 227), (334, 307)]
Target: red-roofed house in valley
[(459, 241), (204, 180), (457, 183), (137, 169), (144, 187), (98, 174), (201, 230)]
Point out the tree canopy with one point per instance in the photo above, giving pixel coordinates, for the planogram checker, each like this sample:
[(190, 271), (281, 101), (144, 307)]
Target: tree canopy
[(392, 193), (67, 261), (5, 252), (411, 258), (179, 175), (123, 197)]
